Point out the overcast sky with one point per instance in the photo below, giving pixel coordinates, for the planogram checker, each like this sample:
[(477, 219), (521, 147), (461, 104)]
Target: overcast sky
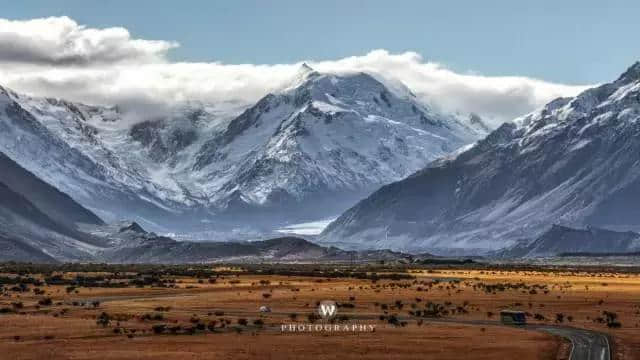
[(493, 58)]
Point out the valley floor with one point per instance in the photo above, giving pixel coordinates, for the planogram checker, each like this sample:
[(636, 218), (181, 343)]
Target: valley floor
[(200, 312)]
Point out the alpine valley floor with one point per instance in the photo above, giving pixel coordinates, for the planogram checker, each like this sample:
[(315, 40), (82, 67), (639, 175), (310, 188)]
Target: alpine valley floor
[(204, 312)]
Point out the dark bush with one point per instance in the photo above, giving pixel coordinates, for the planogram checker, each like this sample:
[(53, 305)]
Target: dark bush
[(313, 317), (45, 302), (159, 329), (104, 319), (212, 325), (17, 305)]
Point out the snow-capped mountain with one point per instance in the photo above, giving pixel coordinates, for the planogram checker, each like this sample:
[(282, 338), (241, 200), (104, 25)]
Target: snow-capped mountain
[(40, 224), (118, 167), (306, 152), (320, 145), (573, 162)]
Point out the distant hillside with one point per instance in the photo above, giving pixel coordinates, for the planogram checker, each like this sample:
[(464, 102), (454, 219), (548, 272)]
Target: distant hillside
[(12, 249), (29, 234), (564, 240), (130, 243), (39, 223), (57, 205)]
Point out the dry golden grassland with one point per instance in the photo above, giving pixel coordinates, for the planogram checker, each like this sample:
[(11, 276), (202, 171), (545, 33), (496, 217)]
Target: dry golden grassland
[(213, 313)]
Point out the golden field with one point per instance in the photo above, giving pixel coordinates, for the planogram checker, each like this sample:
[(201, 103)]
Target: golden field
[(213, 313)]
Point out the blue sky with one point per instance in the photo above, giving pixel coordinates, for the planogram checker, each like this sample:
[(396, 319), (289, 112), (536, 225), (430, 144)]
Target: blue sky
[(571, 42)]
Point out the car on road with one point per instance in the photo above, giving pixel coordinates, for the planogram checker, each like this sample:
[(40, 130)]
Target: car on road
[(513, 317)]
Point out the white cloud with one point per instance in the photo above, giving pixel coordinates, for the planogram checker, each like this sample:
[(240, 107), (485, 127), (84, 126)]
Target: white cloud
[(498, 98), (57, 57), (59, 41)]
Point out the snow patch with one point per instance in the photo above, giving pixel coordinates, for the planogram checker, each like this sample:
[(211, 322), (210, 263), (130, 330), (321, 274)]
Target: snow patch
[(307, 228)]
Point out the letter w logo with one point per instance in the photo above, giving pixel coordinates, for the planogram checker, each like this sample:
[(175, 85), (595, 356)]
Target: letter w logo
[(327, 309)]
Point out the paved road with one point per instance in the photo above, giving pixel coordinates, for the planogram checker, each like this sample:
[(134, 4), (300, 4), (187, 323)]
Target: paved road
[(587, 345)]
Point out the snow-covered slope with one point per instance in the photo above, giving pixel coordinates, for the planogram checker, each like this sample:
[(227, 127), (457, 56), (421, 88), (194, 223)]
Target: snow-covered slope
[(101, 158), (574, 162), (306, 152), (322, 144)]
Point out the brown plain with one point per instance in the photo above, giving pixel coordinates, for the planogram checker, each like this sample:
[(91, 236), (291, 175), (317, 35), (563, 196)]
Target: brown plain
[(64, 330)]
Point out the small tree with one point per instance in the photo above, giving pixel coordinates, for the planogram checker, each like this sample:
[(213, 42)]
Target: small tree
[(104, 319), (611, 319)]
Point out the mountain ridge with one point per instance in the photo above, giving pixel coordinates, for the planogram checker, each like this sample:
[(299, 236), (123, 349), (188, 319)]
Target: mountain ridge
[(328, 138), (39, 223), (566, 163)]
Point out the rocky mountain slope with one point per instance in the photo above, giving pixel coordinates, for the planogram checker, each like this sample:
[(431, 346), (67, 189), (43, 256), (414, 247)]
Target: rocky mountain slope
[(306, 152), (561, 239), (573, 162), (39, 223), (59, 206)]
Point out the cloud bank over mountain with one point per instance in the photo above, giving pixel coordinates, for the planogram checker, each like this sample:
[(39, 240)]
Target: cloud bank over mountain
[(60, 41), (58, 57)]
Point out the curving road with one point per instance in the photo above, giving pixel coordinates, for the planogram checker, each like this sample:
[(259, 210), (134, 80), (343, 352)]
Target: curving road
[(587, 345)]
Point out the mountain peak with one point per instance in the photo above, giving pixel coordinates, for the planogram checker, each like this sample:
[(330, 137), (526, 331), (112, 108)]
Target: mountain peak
[(632, 73), (303, 73), (134, 227), (305, 68)]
